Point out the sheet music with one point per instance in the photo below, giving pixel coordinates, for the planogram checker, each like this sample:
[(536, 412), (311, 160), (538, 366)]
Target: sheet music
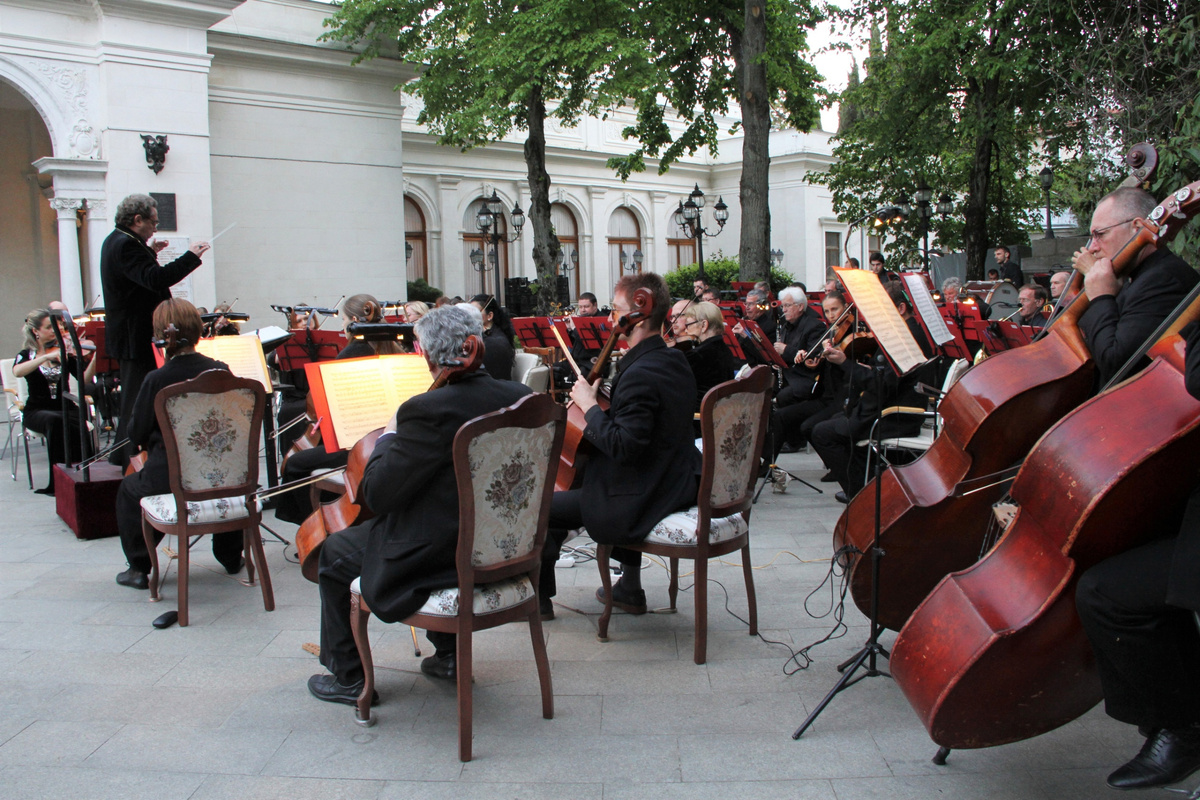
[(881, 316), (243, 354), (359, 402), (925, 306), (408, 376)]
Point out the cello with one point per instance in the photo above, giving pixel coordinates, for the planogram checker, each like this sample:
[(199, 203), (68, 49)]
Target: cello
[(991, 418), (348, 510), (996, 653)]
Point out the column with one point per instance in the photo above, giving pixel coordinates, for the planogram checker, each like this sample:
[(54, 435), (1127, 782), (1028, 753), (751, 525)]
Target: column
[(98, 228), (602, 280), (70, 278)]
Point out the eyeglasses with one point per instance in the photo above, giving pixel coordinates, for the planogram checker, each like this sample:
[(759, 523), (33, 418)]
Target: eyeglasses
[(693, 322), (1099, 232), (789, 305)]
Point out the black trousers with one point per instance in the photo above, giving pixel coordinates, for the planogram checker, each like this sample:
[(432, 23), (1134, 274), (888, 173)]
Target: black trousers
[(834, 440), (566, 514), (133, 375), (340, 563), (790, 420), (227, 547), (294, 506), (1146, 650), (49, 423)]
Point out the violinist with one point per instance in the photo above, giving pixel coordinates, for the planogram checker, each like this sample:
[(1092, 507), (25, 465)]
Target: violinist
[(1119, 318), (1031, 299), (294, 506), (45, 372), (499, 353), (412, 312), (183, 363), (678, 334), (222, 326), (645, 464), (710, 359), (834, 439), (1138, 609), (800, 329), (408, 550)]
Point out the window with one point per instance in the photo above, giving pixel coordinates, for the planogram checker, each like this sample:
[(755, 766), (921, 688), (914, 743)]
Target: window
[(414, 236), (624, 239), (681, 249), (833, 249), (568, 239)]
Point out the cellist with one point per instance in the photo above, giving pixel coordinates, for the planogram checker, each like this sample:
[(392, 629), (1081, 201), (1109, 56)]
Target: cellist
[(1120, 318), (644, 463)]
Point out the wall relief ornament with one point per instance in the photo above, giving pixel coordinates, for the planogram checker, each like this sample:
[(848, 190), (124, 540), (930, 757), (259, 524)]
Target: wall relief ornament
[(71, 85)]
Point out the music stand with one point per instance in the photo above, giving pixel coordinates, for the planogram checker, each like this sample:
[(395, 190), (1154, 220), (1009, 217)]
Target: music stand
[(534, 331), (593, 331)]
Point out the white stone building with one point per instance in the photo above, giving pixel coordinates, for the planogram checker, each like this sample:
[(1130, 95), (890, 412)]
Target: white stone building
[(317, 165)]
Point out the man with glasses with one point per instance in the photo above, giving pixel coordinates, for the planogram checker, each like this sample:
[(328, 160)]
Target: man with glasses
[(800, 329), (1123, 314), (134, 284)]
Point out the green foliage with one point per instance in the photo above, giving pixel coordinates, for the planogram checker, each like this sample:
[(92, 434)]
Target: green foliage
[(720, 272), (420, 290)]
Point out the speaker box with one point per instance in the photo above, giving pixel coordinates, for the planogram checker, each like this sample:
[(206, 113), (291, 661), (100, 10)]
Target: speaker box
[(89, 507)]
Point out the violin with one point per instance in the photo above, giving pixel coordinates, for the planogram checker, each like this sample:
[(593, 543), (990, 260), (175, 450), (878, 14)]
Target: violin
[(574, 448), (991, 418), (348, 509)]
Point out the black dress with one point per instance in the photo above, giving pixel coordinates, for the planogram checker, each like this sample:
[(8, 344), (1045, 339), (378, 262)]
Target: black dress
[(43, 411), (498, 354)]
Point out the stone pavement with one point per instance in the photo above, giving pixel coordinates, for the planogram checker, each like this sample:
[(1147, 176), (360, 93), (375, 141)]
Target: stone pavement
[(97, 704)]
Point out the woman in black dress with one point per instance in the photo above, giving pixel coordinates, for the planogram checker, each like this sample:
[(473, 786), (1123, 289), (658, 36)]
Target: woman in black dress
[(498, 335)]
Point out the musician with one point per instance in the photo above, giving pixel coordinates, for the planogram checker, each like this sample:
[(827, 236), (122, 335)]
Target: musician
[(758, 309), (711, 360), (45, 372), (1119, 319), (699, 287), (134, 284), (1009, 270), (412, 312), (800, 329), (1059, 279), (222, 326), (834, 439), (183, 363), (408, 550), (709, 296), (876, 264), (294, 506), (498, 335), (1138, 611), (993, 274), (586, 306), (644, 463), (1031, 300), (679, 334)]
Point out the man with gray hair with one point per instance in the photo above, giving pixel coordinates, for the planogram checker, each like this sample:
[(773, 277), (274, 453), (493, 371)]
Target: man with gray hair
[(134, 284), (1121, 314), (408, 550)]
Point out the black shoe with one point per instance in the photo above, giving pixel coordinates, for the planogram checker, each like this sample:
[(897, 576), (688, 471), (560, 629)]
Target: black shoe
[(841, 497), (1167, 757), (788, 447), (828, 477), (45, 490), (436, 666), (327, 688), (631, 602), (134, 579), (235, 567), (546, 608)]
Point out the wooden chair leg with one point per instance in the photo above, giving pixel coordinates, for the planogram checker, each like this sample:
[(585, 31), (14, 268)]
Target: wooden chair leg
[(184, 542), (701, 592), (248, 555), (465, 699), (542, 660), (264, 575), (360, 615), (673, 586), (751, 600), (152, 549), (603, 553)]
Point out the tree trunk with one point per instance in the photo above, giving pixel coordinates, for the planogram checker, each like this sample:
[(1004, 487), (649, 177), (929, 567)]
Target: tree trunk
[(754, 248), (546, 250), (975, 232)]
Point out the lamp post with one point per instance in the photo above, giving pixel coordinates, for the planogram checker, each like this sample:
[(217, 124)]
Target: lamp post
[(776, 258), (923, 197), (687, 216), (1046, 176), (634, 263), (488, 221)]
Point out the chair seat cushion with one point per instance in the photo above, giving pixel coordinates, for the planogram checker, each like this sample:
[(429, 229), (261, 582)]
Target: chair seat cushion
[(487, 598), (161, 508), (680, 528)]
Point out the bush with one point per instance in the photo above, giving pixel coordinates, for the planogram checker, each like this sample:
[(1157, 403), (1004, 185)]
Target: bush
[(420, 290), (720, 272)]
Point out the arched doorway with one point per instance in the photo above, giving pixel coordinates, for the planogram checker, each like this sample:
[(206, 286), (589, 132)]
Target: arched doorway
[(28, 226), (568, 241), (416, 251), (482, 269), (624, 243)]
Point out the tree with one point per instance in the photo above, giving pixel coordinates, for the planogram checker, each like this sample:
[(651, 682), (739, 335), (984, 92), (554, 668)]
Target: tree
[(492, 68), (710, 54)]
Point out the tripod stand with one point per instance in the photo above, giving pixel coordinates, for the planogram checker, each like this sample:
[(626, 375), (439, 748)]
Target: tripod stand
[(869, 653)]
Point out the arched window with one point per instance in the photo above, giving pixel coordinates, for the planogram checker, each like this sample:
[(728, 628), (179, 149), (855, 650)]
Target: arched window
[(568, 239), (624, 242), (484, 280), (681, 248), (416, 250)]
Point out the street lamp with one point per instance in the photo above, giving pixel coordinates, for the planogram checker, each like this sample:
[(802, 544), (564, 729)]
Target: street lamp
[(777, 258), (634, 263), (687, 217), (1046, 176), (924, 211), (491, 213)]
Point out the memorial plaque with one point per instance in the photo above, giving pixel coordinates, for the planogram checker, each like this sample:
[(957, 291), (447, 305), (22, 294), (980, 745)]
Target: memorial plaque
[(167, 220)]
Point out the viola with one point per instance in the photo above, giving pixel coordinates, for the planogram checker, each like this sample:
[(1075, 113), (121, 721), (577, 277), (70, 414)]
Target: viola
[(348, 509), (574, 445), (991, 419), (996, 653)]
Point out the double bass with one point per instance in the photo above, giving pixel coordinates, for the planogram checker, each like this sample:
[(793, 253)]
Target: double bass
[(996, 653)]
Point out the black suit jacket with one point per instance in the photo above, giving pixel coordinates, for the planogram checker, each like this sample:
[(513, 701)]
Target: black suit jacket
[(134, 284), (409, 483), (646, 465), (802, 335), (1115, 327)]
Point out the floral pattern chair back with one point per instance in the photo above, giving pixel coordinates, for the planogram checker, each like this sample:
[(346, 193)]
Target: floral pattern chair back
[(738, 426), (215, 433), (506, 463)]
